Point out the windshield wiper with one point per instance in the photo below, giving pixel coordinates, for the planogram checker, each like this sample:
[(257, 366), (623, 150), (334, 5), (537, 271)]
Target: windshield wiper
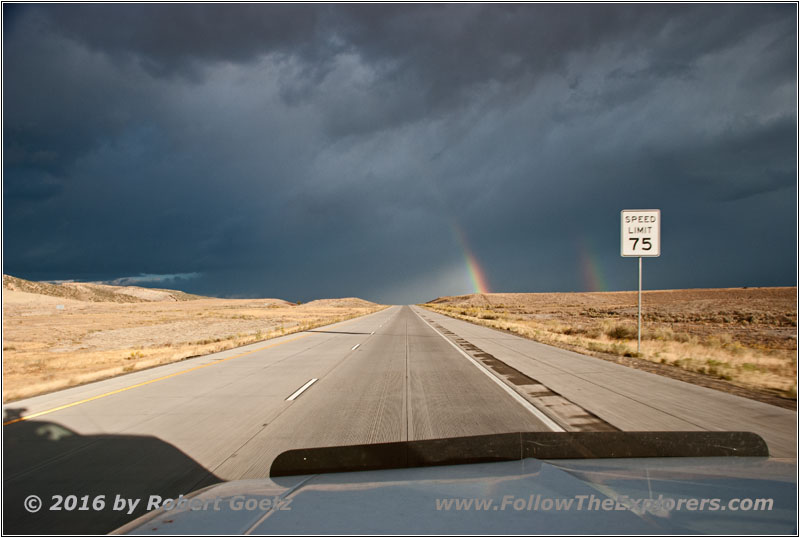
[(516, 446)]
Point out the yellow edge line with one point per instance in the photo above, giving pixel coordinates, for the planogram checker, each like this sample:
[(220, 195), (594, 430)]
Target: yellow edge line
[(34, 415)]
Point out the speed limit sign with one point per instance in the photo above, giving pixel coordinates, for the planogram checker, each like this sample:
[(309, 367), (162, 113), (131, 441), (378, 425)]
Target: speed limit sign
[(641, 233), (641, 238)]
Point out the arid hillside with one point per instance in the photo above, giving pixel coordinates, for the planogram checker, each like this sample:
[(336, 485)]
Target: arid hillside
[(84, 291), (60, 335), (734, 337)]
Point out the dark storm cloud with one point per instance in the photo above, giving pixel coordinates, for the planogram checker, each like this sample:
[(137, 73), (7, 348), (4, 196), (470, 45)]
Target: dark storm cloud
[(170, 38), (309, 150)]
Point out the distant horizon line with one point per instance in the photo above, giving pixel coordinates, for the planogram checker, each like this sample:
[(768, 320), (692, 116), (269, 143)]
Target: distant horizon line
[(240, 297)]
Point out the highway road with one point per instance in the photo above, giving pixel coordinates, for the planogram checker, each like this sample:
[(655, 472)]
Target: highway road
[(403, 373)]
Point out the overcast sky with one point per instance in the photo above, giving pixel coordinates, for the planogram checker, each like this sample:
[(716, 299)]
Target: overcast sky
[(305, 151)]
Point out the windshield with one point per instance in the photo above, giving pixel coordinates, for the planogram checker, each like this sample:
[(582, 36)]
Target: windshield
[(236, 235)]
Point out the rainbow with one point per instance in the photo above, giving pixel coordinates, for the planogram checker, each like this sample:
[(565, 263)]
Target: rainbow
[(476, 273), (593, 279)]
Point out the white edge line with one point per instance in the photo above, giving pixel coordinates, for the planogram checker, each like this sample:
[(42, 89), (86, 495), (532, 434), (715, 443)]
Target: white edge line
[(525, 403), (354, 347), (299, 391)]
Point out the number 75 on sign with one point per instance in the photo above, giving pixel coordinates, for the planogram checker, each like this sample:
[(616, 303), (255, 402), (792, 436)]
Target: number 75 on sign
[(641, 233)]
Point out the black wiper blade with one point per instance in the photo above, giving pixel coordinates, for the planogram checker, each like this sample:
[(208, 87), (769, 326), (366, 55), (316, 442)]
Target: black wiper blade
[(516, 446)]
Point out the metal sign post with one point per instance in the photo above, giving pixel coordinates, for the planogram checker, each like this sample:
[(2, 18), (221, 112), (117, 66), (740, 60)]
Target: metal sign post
[(639, 331), (640, 237)]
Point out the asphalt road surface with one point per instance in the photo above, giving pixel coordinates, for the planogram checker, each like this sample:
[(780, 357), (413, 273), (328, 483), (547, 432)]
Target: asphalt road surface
[(399, 374)]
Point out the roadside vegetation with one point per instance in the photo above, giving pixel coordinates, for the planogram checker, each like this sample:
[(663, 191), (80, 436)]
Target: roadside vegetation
[(747, 337), (51, 340)]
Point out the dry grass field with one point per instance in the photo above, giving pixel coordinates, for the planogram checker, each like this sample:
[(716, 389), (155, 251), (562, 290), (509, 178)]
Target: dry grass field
[(744, 337), (57, 336)]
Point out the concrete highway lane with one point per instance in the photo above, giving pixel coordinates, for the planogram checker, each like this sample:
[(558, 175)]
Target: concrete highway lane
[(384, 377), (626, 398), (405, 382)]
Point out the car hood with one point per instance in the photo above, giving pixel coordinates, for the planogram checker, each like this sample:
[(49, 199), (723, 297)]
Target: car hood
[(510, 497)]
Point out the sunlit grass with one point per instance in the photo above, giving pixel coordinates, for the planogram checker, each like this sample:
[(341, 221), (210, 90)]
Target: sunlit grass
[(719, 355), (47, 350)]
